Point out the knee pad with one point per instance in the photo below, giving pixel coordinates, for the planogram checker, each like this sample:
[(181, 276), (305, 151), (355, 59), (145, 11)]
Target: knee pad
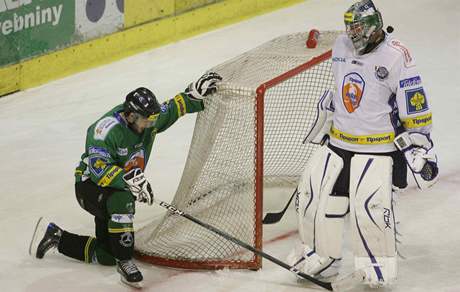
[(372, 218), (321, 213)]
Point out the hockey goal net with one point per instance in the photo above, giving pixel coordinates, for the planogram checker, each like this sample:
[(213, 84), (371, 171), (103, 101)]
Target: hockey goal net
[(248, 139)]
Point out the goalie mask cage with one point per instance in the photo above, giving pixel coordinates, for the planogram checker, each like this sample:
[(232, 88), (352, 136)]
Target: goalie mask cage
[(248, 138)]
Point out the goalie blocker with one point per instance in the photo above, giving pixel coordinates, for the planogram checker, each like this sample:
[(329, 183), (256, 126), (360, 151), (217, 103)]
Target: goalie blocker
[(334, 183)]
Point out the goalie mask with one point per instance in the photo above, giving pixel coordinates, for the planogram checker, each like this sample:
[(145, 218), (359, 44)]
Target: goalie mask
[(362, 21)]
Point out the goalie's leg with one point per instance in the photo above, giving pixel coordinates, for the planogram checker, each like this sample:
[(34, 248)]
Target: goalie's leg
[(321, 215), (372, 218)]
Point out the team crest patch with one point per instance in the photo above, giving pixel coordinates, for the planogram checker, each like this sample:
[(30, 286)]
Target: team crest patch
[(97, 165), (352, 91), (381, 73), (416, 101)]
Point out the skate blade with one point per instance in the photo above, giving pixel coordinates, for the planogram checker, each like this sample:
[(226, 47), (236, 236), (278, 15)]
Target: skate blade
[(32, 245), (137, 285), (350, 281)]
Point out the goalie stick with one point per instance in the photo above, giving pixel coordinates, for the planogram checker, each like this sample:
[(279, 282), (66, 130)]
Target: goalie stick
[(271, 218), (341, 285)]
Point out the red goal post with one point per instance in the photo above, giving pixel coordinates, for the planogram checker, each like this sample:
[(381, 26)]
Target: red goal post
[(248, 140)]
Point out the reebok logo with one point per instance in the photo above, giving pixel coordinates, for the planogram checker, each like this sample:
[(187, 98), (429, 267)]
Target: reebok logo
[(386, 217)]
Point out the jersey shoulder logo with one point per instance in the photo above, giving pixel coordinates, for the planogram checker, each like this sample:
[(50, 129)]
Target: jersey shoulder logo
[(416, 101), (408, 60), (352, 91), (410, 82), (103, 127)]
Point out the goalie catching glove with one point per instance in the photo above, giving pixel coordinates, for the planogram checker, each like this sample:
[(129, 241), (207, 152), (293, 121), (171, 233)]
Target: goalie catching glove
[(419, 154), (205, 85), (139, 186)]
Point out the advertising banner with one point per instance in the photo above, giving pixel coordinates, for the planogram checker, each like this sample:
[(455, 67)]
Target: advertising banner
[(96, 18), (32, 27)]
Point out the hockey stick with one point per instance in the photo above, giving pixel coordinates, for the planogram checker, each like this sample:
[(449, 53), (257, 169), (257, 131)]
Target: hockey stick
[(271, 218), (341, 285)]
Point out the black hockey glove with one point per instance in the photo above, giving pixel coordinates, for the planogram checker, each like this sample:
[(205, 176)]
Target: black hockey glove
[(205, 85), (139, 186)]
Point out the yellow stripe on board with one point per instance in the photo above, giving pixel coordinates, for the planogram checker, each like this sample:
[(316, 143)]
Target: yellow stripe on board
[(131, 41), (10, 79)]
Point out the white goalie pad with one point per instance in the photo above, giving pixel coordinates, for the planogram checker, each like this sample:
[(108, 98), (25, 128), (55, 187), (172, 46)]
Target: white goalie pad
[(323, 122), (320, 215), (372, 218)]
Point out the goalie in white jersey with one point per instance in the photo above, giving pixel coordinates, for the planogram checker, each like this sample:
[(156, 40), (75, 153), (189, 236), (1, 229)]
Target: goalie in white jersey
[(378, 122)]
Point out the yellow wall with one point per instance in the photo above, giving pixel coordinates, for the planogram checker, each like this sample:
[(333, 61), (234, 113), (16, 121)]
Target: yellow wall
[(139, 38), (141, 11)]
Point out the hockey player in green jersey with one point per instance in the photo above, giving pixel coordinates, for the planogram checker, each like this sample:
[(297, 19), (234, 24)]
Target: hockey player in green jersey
[(110, 178)]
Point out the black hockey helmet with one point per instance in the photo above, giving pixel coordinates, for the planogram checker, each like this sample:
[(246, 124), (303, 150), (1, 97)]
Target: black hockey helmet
[(142, 101)]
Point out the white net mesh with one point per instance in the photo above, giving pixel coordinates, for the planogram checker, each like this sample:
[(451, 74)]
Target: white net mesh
[(218, 185)]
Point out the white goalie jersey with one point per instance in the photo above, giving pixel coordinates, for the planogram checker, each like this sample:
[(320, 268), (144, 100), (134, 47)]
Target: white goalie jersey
[(377, 96)]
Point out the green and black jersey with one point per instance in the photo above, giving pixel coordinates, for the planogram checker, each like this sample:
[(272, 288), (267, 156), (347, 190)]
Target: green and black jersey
[(112, 148)]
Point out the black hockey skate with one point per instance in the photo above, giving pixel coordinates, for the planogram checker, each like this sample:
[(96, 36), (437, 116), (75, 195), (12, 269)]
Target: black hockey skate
[(130, 274), (50, 240)]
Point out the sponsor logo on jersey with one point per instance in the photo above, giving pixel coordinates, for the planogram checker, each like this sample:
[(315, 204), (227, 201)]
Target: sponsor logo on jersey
[(356, 62), (417, 122), (410, 82), (416, 101), (338, 59), (407, 56), (97, 165), (126, 239), (180, 104), (103, 127), (164, 107), (136, 160), (352, 91), (382, 138), (98, 150), (122, 218), (381, 73), (110, 176), (122, 151)]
